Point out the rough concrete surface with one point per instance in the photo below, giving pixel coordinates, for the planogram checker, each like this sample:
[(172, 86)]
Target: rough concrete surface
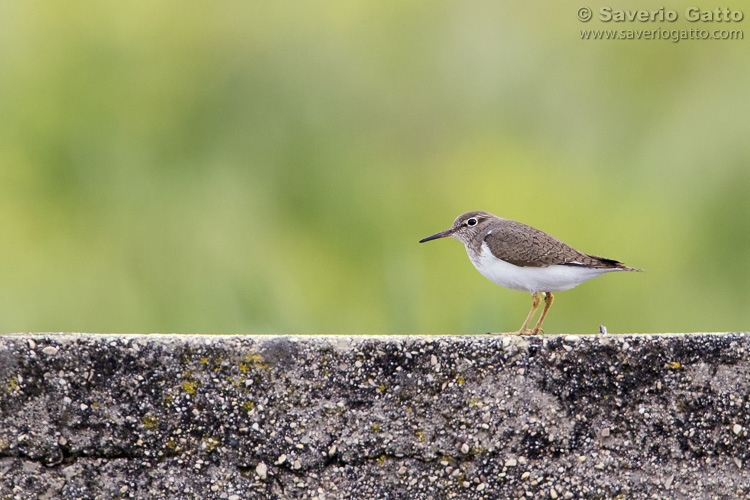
[(480, 417)]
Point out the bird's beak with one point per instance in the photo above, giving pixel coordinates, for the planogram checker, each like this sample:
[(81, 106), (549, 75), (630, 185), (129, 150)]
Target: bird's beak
[(441, 234)]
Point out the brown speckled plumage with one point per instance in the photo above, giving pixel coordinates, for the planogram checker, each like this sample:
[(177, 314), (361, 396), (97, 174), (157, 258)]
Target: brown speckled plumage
[(525, 246)]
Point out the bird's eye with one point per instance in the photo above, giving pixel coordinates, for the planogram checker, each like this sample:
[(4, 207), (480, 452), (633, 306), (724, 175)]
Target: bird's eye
[(471, 222)]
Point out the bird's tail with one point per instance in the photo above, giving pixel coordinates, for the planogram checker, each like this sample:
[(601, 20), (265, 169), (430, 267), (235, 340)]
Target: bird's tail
[(615, 264)]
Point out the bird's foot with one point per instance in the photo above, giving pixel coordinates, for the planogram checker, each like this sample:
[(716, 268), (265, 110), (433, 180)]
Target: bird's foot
[(523, 332)]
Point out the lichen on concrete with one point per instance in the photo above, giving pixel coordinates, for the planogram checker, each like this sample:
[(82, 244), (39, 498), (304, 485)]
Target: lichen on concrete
[(477, 417)]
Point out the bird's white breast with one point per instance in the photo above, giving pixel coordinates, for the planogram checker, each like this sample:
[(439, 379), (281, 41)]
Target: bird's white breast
[(554, 278)]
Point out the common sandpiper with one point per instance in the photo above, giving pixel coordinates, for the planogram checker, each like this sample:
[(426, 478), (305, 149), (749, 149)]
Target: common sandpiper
[(521, 257)]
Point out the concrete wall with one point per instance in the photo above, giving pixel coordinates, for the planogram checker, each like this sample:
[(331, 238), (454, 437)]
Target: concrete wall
[(235, 417)]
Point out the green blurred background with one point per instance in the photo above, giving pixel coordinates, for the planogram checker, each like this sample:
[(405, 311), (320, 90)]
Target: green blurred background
[(268, 167)]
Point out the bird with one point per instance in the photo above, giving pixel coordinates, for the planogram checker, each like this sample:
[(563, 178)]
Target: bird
[(520, 257)]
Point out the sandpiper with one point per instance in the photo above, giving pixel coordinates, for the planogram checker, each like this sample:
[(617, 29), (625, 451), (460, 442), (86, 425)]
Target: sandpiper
[(521, 257)]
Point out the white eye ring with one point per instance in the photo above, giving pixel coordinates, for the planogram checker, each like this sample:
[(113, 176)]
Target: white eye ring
[(471, 222)]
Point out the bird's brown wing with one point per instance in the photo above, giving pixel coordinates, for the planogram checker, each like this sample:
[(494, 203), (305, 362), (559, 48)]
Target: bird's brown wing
[(525, 246)]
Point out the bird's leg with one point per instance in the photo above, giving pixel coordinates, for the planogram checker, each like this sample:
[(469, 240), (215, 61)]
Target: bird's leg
[(536, 299), (548, 298)]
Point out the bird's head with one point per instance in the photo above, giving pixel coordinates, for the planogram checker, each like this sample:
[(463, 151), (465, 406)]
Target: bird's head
[(465, 227)]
